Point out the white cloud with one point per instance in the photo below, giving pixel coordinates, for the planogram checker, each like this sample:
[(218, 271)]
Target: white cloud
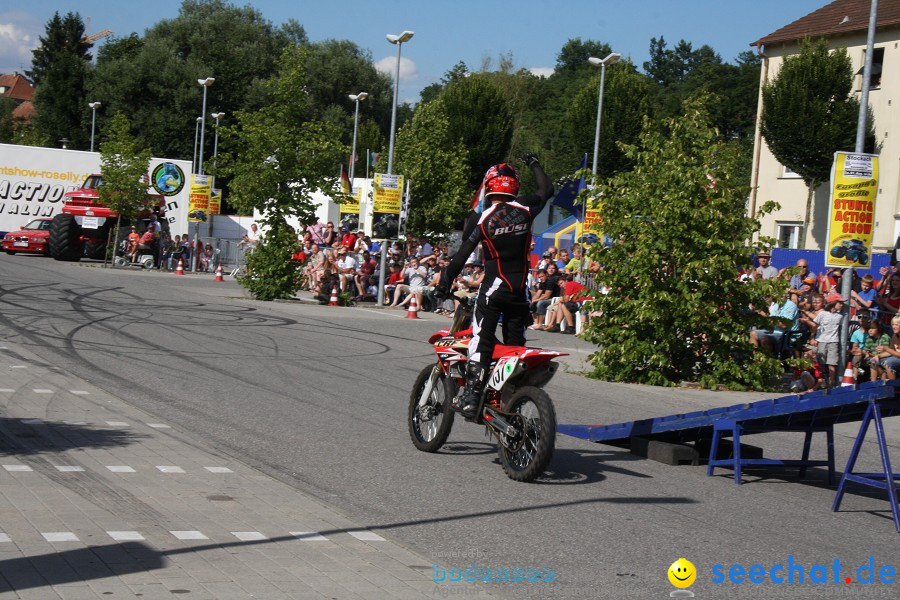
[(18, 38), (388, 66), (541, 71)]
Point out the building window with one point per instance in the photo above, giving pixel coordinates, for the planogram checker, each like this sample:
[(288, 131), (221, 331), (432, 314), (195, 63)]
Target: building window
[(788, 234), (786, 173), (877, 66)]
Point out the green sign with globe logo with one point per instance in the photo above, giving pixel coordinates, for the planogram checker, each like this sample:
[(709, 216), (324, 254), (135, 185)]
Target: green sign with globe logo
[(168, 179)]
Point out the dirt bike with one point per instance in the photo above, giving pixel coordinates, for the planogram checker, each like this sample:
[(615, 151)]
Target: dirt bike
[(513, 407)]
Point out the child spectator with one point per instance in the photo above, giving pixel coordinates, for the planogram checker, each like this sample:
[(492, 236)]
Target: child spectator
[(866, 296), (889, 354), (827, 329), (873, 338), (808, 380)]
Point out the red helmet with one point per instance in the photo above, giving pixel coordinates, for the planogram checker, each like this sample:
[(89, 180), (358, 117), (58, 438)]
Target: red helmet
[(501, 179)]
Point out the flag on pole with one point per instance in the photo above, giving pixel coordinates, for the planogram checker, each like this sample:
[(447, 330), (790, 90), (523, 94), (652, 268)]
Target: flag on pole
[(477, 202), (345, 181), (373, 158)]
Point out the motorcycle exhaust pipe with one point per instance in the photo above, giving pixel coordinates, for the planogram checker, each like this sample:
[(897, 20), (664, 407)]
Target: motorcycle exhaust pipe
[(497, 422)]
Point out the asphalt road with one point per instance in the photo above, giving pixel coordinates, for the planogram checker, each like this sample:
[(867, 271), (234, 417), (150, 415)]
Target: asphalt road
[(317, 397)]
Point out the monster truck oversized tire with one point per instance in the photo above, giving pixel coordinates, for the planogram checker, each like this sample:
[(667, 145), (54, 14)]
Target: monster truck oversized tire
[(64, 238)]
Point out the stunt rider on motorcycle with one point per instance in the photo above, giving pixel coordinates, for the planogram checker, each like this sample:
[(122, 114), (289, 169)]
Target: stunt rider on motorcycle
[(504, 231)]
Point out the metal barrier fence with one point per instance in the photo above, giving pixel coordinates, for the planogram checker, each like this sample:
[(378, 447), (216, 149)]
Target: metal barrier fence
[(229, 253)]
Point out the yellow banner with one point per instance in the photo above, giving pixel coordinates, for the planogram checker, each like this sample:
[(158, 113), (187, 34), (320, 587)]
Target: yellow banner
[(352, 206), (215, 202), (200, 192), (388, 193), (854, 185)]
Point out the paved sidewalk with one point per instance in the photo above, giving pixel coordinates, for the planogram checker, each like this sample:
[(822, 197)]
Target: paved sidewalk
[(101, 500)]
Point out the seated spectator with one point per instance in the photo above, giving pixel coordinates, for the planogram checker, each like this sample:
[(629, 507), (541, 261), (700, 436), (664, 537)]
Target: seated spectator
[(146, 243), (808, 380), (889, 354), (134, 240), (416, 277), (574, 265), (862, 348), (348, 239), (346, 267), (889, 300), (572, 296), (547, 289), (787, 321), (562, 259), (395, 278), (365, 272), (205, 258), (329, 236)]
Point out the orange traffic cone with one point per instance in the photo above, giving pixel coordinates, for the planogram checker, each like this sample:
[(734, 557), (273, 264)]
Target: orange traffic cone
[(179, 270), (219, 274), (413, 312), (849, 377), (333, 300)]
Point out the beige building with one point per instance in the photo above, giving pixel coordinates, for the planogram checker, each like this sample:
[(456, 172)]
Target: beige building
[(844, 23)]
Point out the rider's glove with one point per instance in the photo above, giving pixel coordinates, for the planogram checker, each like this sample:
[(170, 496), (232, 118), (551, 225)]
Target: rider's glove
[(529, 159), (442, 291)]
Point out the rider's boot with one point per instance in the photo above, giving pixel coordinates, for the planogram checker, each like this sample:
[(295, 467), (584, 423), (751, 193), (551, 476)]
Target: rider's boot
[(471, 398)]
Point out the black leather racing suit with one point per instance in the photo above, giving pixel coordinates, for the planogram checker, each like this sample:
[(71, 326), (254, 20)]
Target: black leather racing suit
[(504, 231)]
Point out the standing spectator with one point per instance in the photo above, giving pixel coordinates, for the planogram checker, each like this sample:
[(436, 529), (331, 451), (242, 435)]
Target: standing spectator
[(346, 267), (562, 259), (827, 329), (316, 233), (166, 249), (889, 301), (865, 298), (765, 270), (574, 265), (546, 259)]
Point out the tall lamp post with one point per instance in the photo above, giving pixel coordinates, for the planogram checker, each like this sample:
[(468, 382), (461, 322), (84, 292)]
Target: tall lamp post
[(357, 98), (398, 40), (216, 116), (196, 137), (602, 63), (204, 83), (94, 106)]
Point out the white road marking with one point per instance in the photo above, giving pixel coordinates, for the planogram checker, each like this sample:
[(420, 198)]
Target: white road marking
[(117, 424), (17, 468), (32, 421), (169, 469), (189, 535), (125, 536), (121, 469), (4, 538), (75, 422), (366, 536), (7, 390), (69, 468), (42, 391), (60, 536), (309, 536), (218, 469), (79, 392), (249, 536), (159, 426), (18, 367), (386, 312)]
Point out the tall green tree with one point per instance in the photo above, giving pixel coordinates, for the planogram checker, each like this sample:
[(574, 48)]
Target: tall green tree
[(434, 159), (60, 70), (124, 163), (278, 157), (676, 309), (809, 113), (479, 117)]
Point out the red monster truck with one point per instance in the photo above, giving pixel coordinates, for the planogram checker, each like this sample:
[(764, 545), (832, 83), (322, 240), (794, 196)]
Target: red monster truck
[(83, 227)]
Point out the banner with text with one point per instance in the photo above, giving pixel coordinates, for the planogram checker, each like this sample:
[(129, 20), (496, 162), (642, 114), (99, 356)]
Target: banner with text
[(854, 185), (386, 204), (200, 193)]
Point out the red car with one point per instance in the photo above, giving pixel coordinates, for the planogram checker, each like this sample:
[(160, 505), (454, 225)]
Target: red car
[(33, 237)]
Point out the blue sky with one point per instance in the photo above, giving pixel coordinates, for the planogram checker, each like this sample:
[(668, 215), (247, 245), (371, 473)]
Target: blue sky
[(533, 31)]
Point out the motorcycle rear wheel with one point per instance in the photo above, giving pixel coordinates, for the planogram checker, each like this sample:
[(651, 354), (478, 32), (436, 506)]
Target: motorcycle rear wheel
[(430, 424), (530, 457)]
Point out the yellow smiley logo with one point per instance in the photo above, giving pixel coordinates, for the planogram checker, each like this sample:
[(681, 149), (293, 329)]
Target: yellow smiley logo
[(682, 573)]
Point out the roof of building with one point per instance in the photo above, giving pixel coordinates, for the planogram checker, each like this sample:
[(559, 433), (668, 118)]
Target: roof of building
[(25, 111), (836, 18), (17, 87)]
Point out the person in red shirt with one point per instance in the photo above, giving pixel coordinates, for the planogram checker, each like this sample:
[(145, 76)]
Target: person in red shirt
[(366, 270), (348, 240), (573, 294)]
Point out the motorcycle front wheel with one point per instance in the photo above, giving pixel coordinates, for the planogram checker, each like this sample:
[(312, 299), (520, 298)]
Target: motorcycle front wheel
[(430, 422), (531, 412)]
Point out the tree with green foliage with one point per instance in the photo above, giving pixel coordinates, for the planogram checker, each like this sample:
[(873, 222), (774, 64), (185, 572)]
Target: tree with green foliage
[(278, 157), (124, 164), (479, 116), (60, 69), (626, 101), (675, 309), (809, 113), (456, 73), (435, 162)]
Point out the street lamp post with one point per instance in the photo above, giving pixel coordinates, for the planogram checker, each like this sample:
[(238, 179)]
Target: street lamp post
[(204, 83), (602, 63), (357, 98), (94, 106), (196, 137), (398, 40), (216, 116)]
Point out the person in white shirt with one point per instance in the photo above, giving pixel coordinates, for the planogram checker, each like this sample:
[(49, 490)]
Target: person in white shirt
[(347, 266)]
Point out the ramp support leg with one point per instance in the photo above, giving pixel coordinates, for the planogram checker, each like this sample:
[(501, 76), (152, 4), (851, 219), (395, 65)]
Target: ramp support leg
[(883, 480)]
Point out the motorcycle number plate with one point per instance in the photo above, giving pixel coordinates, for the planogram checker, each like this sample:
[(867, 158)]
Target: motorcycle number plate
[(503, 371)]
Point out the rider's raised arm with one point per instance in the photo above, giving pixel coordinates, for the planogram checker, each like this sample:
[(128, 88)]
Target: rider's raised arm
[(471, 237), (538, 200)]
